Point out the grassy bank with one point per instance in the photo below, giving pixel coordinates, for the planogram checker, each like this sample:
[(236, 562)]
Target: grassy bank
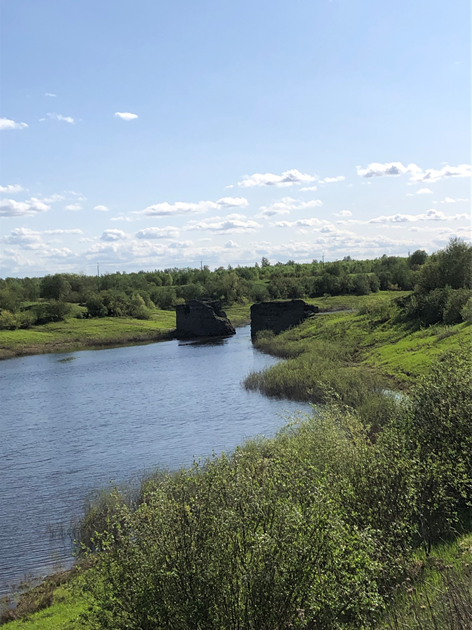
[(353, 354), (77, 334)]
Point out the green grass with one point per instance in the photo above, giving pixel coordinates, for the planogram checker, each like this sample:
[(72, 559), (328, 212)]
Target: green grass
[(82, 333), (353, 354), (437, 595), (239, 314)]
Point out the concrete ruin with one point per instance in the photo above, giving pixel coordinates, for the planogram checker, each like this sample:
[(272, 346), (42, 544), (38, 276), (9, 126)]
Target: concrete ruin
[(279, 315), (202, 318)]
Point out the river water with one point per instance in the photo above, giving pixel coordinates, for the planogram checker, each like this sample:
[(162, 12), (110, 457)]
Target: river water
[(71, 423)]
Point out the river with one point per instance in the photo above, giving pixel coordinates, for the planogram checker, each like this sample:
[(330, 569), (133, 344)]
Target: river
[(71, 423)]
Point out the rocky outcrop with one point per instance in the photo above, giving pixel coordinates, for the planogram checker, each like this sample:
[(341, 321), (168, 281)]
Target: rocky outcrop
[(202, 318), (278, 316)]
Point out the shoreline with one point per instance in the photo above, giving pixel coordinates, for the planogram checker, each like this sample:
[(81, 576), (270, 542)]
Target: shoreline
[(77, 345)]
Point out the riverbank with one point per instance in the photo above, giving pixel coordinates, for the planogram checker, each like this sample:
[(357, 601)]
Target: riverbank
[(84, 334), (75, 334)]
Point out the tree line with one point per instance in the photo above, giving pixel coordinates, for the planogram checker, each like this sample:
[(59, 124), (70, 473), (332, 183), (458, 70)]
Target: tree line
[(441, 285)]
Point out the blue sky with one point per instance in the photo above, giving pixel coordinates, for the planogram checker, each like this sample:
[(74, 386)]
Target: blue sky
[(157, 134)]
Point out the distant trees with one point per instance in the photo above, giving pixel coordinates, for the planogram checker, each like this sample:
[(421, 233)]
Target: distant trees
[(441, 283)]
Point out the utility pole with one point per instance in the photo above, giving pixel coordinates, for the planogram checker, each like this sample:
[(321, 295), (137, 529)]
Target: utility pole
[(98, 270), (323, 260), (201, 265)]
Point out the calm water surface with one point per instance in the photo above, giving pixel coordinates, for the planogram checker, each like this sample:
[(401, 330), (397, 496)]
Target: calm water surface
[(69, 427)]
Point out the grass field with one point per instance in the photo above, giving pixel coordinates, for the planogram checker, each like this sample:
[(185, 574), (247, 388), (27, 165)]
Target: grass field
[(84, 333)]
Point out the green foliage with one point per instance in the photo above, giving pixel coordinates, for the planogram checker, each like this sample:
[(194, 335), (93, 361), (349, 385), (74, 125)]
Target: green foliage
[(466, 311), (312, 528), (54, 287)]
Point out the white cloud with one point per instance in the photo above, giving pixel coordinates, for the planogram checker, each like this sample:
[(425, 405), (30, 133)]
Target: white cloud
[(121, 217), (60, 118), (450, 200), (5, 123), (331, 180), (179, 207), (11, 189), (299, 223), (431, 175), (32, 239), (154, 232), (308, 188), (375, 169), (288, 178), (102, 209), (232, 202), (64, 252), (73, 207), (430, 215), (61, 231), (50, 95), (231, 244), (113, 235), (24, 238), (285, 205), (53, 198), (343, 213), (125, 115), (12, 208), (233, 223), (424, 191)]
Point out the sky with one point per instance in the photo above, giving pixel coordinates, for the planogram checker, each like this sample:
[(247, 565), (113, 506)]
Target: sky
[(152, 134)]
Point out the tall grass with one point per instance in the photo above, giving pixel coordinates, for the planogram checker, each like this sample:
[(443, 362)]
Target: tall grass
[(319, 371)]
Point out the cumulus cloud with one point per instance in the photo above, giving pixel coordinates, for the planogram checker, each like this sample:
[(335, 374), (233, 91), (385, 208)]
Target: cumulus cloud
[(233, 223), (61, 231), (231, 244), (102, 209), (285, 205), (343, 213), (288, 178), (32, 239), (232, 202), (179, 207), (424, 191), (24, 238), (125, 115), (60, 118), (154, 232), (63, 252), (73, 207), (299, 223), (430, 215), (12, 208), (331, 180), (393, 169), (113, 235), (431, 175), (6, 123), (53, 198), (450, 200), (310, 188), (11, 189)]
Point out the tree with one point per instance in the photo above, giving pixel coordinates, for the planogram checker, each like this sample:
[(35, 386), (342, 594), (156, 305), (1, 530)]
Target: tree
[(54, 287)]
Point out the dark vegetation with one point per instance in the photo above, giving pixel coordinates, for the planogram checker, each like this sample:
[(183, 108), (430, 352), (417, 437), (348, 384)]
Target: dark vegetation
[(441, 283)]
